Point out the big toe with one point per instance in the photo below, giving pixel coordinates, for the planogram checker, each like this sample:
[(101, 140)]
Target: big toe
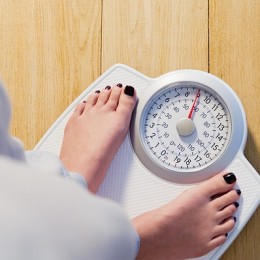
[(218, 184), (127, 100)]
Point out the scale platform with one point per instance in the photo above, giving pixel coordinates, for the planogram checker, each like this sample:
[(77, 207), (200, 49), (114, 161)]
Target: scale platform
[(132, 185)]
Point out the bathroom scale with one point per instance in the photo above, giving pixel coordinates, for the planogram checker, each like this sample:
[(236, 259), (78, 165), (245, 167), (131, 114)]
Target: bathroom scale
[(188, 125)]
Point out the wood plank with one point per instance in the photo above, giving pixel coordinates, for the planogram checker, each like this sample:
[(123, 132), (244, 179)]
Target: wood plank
[(155, 36), (235, 57), (50, 51)]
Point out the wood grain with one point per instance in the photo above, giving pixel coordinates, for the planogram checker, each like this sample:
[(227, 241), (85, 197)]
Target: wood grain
[(155, 37), (234, 45), (51, 50)]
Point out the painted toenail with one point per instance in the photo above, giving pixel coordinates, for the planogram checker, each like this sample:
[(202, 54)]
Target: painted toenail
[(107, 87), (119, 85), (235, 219), (236, 204), (97, 91), (84, 101), (226, 234), (238, 191), (129, 90), (230, 178)]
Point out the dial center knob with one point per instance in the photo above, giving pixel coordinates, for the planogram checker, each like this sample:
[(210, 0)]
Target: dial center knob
[(185, 127)]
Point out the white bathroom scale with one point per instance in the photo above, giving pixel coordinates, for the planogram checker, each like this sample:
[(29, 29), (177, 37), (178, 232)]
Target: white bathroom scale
[(188, 125)]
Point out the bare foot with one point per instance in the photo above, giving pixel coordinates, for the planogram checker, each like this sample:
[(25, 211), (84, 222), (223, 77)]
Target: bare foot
[(95, 131), (193, 224)]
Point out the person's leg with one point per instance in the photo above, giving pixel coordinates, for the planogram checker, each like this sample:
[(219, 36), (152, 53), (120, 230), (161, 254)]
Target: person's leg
[(191, 225), (95, 131)]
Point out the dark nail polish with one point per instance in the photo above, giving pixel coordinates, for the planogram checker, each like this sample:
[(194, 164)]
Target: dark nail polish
[(84, 101), (107, 87), (238, 191), (129, 90), (230, 178), (119, 85), (226, 234), (235, 219), (97, 91), (236, 204)]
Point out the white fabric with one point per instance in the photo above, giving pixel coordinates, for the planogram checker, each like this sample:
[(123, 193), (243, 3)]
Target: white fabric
[(8, 146), (45, 160), (45, 216)]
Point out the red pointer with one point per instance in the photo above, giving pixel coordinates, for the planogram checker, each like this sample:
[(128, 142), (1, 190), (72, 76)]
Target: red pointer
[(193, 105)]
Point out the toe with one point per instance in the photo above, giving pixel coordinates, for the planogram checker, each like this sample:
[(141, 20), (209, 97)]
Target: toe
[(92, 100), (227, 212), (113, 100), (104, 96), (218, 184), (127, 100), (217, 241), (225, 227), (225, 199), (79, 109)]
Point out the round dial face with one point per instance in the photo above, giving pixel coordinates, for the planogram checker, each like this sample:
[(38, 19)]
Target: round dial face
[(185, 126), (188, 125)]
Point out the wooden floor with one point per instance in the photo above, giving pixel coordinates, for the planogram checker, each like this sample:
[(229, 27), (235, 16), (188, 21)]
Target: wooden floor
[(51, 50)]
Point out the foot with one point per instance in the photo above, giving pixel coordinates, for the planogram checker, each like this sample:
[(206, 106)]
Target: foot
[(95, 131), (193, 224)]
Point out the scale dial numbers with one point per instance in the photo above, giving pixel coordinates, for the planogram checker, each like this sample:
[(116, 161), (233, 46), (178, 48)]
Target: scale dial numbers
[(180, 149), (188, 125)]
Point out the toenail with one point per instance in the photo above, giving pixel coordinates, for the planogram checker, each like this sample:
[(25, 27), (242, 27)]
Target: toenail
[(97, 91), (226, 234), (119, 85), (107, 87), (129, 90), (235, 219), (236, 204), (84, 101), (238, 191), (230, 178)]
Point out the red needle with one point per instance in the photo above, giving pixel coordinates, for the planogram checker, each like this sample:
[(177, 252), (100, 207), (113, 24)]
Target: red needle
[(193, 105)]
